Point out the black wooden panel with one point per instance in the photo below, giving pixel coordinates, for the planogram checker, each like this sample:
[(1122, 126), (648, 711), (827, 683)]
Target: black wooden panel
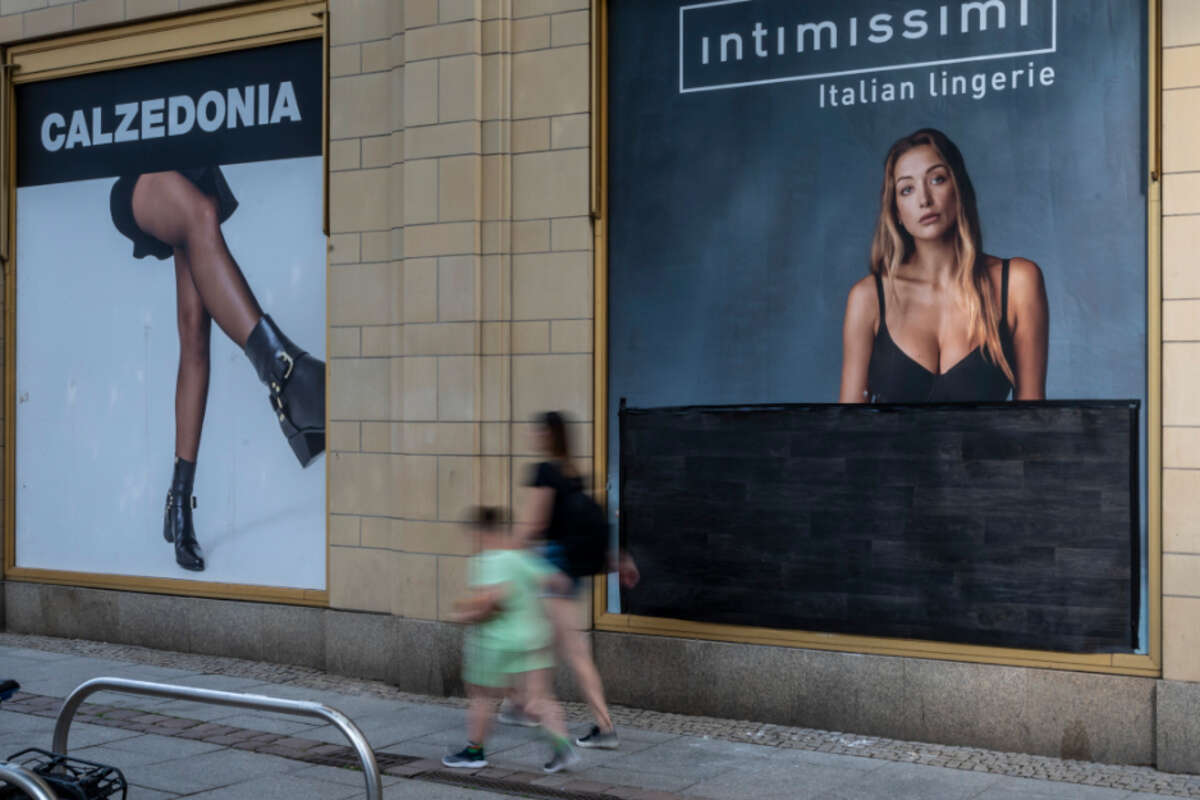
[(1008, 524)]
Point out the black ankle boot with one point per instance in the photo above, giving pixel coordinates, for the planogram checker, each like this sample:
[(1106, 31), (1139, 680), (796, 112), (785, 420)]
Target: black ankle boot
[(297, 384), (177, 519)]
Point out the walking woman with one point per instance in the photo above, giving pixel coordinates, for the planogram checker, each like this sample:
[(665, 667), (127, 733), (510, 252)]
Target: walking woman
[(937, 319), (551, 481), (179, 214)]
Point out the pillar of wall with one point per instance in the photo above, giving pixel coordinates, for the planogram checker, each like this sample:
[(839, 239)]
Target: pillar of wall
[(1178, 695), (460, 284), (1181, 341)]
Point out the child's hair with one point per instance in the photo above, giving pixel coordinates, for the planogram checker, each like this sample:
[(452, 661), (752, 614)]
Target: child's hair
[(488, 518)]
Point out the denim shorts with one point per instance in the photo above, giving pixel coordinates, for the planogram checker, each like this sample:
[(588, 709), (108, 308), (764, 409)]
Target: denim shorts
[(554, 553)]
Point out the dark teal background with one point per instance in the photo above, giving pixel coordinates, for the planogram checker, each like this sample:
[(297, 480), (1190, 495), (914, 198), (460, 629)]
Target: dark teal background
[(740, 218)]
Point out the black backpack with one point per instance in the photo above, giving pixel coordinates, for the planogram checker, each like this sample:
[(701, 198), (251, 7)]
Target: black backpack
[(587, 535)]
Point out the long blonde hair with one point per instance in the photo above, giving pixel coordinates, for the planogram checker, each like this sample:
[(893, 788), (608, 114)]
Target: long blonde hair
[(892, 244)]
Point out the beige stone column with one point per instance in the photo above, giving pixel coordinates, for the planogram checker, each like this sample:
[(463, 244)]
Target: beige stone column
[(460, 289), (1181, 340)]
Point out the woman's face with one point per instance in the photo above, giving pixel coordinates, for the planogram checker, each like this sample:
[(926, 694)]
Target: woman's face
[(925, 198)]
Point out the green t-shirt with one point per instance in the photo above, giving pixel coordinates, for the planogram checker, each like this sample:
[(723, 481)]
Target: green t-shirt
[(521, 623)]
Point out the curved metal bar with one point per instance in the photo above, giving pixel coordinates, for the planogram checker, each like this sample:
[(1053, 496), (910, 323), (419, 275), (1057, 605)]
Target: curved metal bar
[(29, 782), (299, 708)]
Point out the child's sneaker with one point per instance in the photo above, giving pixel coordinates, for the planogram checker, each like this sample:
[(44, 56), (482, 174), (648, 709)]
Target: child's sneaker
[(599, 739), (563, 758), (470, 757), (511, 714)]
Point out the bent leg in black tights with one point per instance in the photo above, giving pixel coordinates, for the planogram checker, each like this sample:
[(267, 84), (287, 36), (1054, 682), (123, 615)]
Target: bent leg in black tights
[(170, 208)]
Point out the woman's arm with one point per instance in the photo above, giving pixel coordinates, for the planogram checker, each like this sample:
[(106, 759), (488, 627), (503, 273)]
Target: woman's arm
[(536, 506), (858, 339), (1029, 321)]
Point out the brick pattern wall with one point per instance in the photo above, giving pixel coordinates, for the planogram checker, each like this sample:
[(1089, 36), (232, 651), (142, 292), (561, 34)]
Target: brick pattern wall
[(460, 286), (460, 291), (1181, 340), (32, 19)]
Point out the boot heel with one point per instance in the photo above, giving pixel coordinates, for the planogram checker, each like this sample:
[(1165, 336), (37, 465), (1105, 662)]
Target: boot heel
[(307, 445)]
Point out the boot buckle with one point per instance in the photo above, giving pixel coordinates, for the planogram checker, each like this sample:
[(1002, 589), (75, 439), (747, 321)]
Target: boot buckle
[(283, 356)]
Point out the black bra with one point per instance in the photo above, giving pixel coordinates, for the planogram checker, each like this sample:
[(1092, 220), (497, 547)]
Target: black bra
[(894, 377)]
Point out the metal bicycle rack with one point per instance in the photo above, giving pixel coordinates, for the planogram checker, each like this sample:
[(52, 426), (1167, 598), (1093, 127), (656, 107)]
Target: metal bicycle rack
[(27, 781), (258, 702)]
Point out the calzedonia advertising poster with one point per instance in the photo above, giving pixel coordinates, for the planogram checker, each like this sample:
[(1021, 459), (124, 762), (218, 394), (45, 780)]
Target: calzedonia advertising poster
[(170, 321), (876, 201)]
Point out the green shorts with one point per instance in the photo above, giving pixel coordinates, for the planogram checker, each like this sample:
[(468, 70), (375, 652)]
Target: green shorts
[(495, 667)]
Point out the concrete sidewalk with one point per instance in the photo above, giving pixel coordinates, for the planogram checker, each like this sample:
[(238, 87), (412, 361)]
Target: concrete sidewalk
[(170, 749)]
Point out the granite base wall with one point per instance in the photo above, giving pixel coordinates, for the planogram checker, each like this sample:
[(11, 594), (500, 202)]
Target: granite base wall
[(1104, 718)]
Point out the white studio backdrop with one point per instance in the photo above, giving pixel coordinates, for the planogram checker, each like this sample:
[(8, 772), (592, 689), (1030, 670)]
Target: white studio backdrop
[(97, 355)]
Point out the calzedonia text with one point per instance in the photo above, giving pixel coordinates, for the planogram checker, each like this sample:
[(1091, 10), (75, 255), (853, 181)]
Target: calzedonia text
[(178, 115)]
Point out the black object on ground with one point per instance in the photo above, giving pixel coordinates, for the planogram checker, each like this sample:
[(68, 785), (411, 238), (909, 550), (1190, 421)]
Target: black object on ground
[(70, 778)]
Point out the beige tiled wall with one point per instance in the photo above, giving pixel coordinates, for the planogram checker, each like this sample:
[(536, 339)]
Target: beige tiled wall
[(460, 286), (461, 279), (1181, 340)]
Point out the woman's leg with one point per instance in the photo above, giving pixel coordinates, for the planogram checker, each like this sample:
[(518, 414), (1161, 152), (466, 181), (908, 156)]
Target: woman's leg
[(541, 704), (191, 395), (170, 208), (191, 382), (572, 646)]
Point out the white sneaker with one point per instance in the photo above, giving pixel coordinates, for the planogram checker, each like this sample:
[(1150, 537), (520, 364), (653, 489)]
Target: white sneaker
[(599, 739)]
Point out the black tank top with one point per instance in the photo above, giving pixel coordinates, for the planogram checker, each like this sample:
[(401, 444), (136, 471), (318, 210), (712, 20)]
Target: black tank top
[(894, 377)]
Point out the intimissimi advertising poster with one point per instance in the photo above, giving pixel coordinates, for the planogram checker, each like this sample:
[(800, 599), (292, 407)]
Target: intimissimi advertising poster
[(875, 201), (170, 282)]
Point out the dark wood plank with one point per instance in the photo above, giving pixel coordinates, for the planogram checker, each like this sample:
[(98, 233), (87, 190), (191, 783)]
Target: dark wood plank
[(1002, 524)]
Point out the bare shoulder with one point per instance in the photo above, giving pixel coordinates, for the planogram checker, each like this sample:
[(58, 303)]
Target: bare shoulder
[(1026, 291), (862, 304), (863, 296), (1024, 276)]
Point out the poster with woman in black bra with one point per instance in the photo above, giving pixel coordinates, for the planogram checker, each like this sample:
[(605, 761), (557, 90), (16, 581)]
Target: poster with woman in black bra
[(875, 201), (963, 326), (151, 203), (753, 258)]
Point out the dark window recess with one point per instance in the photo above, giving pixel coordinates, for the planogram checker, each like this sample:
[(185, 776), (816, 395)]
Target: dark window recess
[(1012, 524)]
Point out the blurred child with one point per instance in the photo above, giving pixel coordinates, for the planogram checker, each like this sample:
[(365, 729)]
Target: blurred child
[(508, 645)]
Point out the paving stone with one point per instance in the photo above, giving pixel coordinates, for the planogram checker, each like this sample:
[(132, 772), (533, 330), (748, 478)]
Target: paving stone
[(580, 785), (340, 775), (624, 777), (415, 725), (913, 782), (282, 787), (222, 768)]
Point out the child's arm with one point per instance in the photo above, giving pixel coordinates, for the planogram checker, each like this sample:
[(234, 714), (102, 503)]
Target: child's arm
[(481, 604)]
